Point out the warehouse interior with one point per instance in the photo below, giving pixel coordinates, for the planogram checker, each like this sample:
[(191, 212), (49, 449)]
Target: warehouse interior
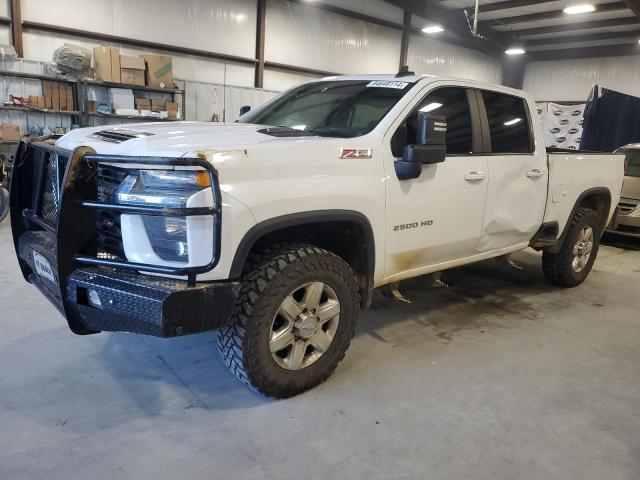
[(479, 369)]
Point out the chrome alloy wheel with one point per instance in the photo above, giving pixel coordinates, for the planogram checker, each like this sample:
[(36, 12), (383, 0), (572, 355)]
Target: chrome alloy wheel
[(582, 249), (304, 326)]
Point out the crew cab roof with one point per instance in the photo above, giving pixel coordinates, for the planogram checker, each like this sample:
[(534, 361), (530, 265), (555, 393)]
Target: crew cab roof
[(423, 78)]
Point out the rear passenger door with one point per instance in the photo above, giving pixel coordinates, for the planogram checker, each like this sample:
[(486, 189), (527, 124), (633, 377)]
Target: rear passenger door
[(517, 190)]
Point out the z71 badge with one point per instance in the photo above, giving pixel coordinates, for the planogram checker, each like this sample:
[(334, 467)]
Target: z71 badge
[(365, 153)]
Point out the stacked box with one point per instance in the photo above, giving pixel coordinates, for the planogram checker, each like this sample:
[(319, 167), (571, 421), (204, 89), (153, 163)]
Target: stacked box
[(172, 110), (158, 105), (9, 132), (132, 70), (143, 103), (106, 62)]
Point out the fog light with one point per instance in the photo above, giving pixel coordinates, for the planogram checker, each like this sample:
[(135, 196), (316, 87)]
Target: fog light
[(93, 299)]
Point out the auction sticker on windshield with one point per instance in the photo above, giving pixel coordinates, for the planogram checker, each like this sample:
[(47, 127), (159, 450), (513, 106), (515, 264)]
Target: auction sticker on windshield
[(387, 84), (43, 267)]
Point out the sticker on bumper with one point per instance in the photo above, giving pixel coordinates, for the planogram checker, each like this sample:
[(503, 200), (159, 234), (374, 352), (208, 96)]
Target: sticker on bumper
[(43, 267)]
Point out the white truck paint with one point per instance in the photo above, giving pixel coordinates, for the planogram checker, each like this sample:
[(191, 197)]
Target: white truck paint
[(477, 206)]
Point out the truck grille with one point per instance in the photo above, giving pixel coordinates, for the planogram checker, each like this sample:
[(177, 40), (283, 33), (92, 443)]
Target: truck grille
[(108, 233), (50, 201), (628, 205)]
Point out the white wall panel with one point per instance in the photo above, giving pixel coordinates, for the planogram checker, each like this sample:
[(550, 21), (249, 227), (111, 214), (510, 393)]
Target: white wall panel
[(5, 10), (430, 56), (571, 80), (299, 35), (373, 8), (280, 81), (5, 35), (226, 26), (40, 46)]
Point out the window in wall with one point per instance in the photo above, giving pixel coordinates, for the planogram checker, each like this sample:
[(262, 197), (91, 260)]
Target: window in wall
[(508, 123), (453, 104)]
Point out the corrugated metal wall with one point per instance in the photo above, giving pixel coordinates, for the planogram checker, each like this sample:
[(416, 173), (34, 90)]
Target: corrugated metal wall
[(572, 80)]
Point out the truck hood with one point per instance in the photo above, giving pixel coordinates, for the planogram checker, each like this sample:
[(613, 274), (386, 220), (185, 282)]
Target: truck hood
[(169, 139)]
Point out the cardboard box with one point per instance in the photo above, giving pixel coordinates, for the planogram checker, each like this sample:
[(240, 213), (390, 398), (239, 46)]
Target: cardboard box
[(70, 105), (173, 114), (9, 132), (143, 104), (132, 70), (47, 89), (55, 103), (48, 102), (41, 102), (158, 105), (159, 71), (172, 106), (106, 61), (63, 102), (91, 106)]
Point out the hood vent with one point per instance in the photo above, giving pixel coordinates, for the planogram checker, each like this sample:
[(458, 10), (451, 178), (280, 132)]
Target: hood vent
[(119, 135)]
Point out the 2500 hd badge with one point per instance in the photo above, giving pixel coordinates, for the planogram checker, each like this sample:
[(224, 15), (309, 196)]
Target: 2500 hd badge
[(407, 226)]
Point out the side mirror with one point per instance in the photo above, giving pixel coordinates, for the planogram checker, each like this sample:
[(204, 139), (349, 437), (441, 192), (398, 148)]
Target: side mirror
[(430, 149), (245, 109)]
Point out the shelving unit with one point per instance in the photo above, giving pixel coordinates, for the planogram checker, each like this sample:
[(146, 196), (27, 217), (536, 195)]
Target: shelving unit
[(84, 85), (75, 114), (80, 115)]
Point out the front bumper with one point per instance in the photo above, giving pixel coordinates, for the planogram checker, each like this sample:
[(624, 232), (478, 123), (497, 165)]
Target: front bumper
[(58, 255)]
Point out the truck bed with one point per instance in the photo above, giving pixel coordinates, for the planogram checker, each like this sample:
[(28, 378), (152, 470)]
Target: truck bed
[(574, 173)]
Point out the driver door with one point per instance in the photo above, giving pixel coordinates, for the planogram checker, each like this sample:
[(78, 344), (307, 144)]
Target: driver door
[(437, 217)]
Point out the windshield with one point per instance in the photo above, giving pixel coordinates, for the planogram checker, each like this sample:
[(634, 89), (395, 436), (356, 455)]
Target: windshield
[(633, 163), (332, 108)]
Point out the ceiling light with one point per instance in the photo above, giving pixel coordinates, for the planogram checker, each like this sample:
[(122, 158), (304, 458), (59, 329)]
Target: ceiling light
[(433, 29), (515, 51), (431, 107), (575, 9)]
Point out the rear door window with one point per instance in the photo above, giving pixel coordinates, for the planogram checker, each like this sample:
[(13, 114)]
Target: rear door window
[(508, 123)]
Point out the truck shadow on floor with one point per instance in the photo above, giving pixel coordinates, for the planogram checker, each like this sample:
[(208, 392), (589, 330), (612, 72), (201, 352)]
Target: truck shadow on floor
[(484, 295)]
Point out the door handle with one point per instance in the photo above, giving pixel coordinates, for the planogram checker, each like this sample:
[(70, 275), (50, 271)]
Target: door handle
[(535, 173), (474, 176)]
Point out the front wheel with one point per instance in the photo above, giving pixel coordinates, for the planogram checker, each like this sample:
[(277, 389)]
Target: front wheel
[(293, 322), (572, 264)]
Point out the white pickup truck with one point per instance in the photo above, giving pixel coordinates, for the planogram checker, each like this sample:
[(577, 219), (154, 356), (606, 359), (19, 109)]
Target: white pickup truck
[(275, 230)]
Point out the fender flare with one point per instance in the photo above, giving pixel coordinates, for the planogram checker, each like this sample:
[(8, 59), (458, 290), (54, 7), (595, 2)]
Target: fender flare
[(296, 219), (583, 195)]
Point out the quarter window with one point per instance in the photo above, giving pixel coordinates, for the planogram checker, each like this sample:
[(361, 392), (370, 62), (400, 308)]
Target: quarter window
[(453, 104), (508, 123)]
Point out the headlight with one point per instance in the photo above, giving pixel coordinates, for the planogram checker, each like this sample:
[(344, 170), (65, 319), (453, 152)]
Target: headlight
[(163, 188)]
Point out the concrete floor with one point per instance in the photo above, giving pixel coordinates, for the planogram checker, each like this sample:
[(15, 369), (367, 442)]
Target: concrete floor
[(499, 376)]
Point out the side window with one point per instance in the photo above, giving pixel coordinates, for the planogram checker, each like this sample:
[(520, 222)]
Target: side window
[(508, 123), (453, 104)]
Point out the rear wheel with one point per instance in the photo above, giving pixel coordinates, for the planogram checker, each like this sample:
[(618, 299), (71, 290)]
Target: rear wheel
[(294, 319), (572, 264)]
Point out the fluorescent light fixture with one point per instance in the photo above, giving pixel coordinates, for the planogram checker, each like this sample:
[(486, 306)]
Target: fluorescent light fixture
[(431, 107), (433, 29), (513, 122), (576, 9), (515, 51)]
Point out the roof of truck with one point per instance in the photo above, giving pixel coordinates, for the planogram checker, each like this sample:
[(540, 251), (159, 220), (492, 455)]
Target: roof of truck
[(413, 78)]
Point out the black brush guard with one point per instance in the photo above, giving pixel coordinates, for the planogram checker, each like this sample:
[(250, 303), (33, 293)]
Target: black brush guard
[(57, 228)]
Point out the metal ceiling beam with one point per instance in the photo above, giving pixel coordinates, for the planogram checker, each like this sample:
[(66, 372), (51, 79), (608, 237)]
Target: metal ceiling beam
[(508, 5), (457, 30), (634, 6), (589, 52), (572, 27), (589, 37), (550, 15), (261, 18)]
